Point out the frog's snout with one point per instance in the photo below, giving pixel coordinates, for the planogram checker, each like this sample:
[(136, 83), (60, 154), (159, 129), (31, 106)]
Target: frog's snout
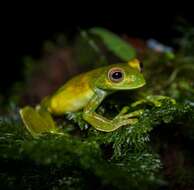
[(144, 82), (141, 84)]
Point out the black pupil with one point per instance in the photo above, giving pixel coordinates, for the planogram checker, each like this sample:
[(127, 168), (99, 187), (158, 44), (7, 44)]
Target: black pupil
[(117, 75)]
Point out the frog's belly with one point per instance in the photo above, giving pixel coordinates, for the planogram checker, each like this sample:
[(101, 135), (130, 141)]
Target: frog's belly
[(70, 100)]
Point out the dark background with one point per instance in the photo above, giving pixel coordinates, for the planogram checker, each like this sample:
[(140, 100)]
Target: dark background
[(25, 29)]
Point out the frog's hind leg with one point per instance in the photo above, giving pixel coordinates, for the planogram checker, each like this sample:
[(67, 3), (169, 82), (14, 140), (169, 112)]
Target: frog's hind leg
[(38, 121)]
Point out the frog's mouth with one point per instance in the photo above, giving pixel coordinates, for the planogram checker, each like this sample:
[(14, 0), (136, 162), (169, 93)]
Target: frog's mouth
[(137, 84), (135, 87), (129, 87)]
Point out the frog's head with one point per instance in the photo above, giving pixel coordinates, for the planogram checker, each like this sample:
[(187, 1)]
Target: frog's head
[(123, 76)]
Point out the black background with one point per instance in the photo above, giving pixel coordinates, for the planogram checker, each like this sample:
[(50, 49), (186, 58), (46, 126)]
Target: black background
[(26, 28)]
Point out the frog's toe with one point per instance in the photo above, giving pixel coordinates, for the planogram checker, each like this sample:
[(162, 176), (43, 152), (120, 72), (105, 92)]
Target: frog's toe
[(131, 115)]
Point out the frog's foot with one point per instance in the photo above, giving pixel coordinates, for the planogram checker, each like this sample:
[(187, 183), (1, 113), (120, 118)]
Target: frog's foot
[(38, 121), (103, 124), (125, 119), (123, 113), (155, 100)]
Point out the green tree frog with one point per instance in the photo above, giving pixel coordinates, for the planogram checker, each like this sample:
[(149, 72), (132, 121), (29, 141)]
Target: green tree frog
[(86, 92)]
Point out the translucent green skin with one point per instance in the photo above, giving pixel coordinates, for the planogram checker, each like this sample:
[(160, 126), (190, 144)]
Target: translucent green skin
[(85, 92)]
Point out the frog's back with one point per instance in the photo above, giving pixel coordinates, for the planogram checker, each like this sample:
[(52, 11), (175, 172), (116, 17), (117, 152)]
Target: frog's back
[(72, 96)]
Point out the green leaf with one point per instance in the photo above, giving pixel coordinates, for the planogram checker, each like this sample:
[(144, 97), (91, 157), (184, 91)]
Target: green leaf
[(114, 43)]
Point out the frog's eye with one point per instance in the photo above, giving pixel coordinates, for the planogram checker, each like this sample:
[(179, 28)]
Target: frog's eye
[(116, 74)]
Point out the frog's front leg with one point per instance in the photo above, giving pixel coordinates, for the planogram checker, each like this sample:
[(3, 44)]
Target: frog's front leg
[(153, 99), (99, 122)]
